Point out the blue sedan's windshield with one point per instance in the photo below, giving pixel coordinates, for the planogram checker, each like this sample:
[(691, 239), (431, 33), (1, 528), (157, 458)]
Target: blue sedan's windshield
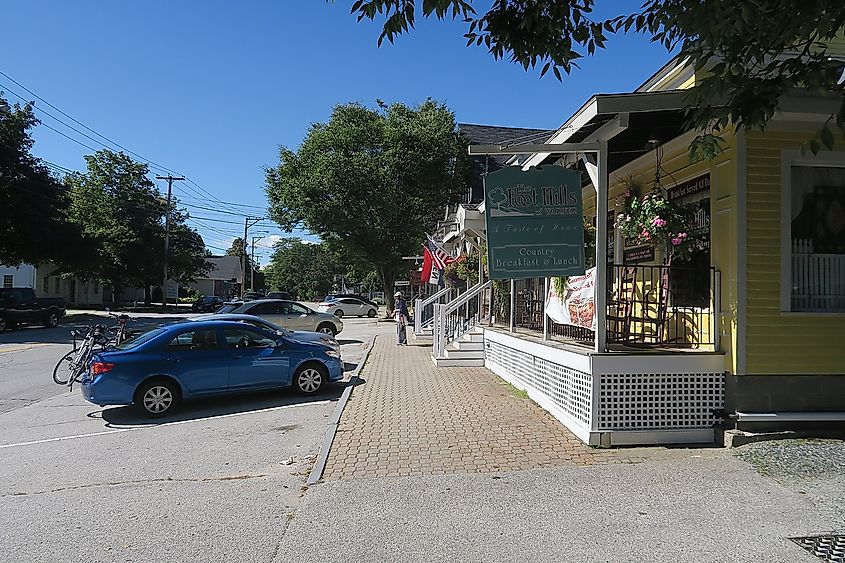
[(136, 341)]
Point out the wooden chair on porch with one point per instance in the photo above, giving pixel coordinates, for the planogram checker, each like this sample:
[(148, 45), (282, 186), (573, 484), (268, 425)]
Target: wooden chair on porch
[(621, 307), (652, 314)]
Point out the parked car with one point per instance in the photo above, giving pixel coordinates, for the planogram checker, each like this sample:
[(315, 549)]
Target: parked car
[(207, 304), (278, 295), (253, 295), (336, 296), (300, 335), (290, 315), (20, 306), (347, 306), (160, 368), (229, 306)]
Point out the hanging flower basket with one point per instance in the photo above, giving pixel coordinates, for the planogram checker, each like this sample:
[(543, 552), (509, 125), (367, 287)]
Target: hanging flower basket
[(652, 219)]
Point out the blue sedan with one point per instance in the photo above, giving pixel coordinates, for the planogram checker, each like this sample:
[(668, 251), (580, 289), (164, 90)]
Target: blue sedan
[(159, 368)]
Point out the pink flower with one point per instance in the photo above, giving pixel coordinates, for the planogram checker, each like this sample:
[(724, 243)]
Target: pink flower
[(658, 222), (676, 241)]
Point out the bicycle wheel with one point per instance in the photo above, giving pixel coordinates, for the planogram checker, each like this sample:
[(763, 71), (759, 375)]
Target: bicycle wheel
[(64, 370)]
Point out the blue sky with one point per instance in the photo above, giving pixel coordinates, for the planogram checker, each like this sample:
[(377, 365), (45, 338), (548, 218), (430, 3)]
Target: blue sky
[(211, 89)]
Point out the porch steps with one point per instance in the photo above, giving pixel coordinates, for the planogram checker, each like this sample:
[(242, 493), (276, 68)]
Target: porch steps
[(467, 351), (465, 345), (458, 363)]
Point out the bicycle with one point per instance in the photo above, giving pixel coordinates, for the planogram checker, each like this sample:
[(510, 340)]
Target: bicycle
[(75, 363), (119, 331)]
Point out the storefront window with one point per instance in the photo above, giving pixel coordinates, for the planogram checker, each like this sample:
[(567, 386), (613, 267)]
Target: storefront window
[(817, 238)]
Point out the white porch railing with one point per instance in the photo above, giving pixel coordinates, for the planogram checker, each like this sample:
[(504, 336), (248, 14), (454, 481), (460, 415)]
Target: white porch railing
[(453, 319), (818, 280), (424, 309)]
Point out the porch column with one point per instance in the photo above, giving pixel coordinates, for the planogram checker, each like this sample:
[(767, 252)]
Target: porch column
[(545, 316), (511, 307), (601, 247)]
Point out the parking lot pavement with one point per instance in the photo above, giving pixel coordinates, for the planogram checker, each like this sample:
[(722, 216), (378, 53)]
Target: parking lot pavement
[(216, 482), (219, 480)]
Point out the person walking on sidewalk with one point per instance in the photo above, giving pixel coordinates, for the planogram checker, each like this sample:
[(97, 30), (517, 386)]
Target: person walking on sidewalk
[(400, 313)]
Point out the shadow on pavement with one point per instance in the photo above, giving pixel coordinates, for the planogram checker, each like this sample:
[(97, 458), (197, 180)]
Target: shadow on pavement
[(348, 366), (197, 409), (342, 341)]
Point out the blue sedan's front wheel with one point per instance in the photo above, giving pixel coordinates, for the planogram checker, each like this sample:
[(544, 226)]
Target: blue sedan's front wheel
[(310, 378), (157, 397)]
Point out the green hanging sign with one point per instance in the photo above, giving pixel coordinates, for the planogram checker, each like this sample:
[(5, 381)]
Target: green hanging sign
[(535, 225)]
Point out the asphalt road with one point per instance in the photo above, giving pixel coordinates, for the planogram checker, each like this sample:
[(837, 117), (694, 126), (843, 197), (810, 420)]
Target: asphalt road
[(218, 481)]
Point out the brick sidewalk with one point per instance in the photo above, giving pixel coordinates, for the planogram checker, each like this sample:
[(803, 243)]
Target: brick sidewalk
[(409, 417)]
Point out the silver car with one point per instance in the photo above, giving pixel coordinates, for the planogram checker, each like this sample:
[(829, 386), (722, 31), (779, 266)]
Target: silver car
[(348, 307), (298, 335), (290, 315)]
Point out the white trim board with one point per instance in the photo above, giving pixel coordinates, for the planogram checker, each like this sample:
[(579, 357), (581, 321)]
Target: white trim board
[(574, 360), (659, 364), (741, 250)]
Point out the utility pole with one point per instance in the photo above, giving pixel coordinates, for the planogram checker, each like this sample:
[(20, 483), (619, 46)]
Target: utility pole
[(252, 251), (248, 222), (170, 180)]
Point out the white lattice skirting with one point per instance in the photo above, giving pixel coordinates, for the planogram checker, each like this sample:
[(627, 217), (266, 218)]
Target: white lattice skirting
[(615, 399)]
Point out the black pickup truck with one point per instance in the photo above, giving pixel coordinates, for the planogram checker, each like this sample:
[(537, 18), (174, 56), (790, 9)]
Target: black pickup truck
[(19, 306)]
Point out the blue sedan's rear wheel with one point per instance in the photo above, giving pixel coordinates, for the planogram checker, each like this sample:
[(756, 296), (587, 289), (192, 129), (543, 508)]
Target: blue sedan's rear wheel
[(310, 378), (157, 397)]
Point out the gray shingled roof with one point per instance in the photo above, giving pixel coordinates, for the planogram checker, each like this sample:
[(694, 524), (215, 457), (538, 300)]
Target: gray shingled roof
[(225, 268), (494, 135)]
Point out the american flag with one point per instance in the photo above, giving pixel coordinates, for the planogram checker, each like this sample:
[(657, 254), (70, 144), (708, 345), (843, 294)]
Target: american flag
[(440, 257)]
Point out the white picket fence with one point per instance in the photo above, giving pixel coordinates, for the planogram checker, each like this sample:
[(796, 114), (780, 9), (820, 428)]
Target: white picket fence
[(818, 280)]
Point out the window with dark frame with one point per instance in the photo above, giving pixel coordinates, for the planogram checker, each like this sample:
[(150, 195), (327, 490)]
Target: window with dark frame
[(817, 239), (690, 276)]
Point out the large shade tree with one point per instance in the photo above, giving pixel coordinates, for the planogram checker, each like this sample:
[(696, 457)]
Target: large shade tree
[(753, 51), (373, 180), (121, 216), (304, 269), (33, 203), (311, 270)]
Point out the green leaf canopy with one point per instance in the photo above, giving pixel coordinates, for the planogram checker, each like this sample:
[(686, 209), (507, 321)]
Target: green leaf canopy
[(372, 180)]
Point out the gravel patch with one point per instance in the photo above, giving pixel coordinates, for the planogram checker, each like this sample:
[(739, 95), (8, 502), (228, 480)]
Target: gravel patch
[(815, 468)]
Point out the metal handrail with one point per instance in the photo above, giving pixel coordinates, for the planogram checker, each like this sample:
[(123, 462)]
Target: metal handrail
[(467, 295), (446, 332), (421, 320)]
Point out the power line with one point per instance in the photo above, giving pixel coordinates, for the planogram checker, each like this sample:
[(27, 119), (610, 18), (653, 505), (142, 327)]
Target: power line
[(118, 145), (146, 160), (77, 141)]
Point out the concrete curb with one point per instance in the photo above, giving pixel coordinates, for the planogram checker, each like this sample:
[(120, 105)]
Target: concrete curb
[(334, 421)]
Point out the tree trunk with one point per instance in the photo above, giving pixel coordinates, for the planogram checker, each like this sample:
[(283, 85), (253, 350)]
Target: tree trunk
[(388, 277), (148, 296), (115, 292)]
